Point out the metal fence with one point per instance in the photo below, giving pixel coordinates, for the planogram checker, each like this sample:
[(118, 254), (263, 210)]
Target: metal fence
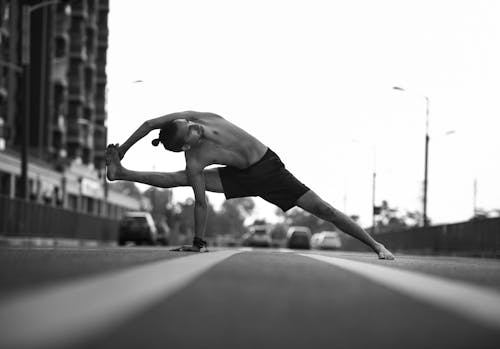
[(19, 218), (472, 238)]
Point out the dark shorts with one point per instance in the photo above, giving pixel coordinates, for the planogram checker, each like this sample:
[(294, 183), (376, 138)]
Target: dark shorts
[(267, 178)]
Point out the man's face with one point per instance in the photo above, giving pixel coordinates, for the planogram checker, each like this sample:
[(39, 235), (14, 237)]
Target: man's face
[(189, 131)]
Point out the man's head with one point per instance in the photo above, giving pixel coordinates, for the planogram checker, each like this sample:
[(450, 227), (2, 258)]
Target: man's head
[(179, 135)]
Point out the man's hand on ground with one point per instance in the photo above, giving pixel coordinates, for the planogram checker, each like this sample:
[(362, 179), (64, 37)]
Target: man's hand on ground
[(187, 248)]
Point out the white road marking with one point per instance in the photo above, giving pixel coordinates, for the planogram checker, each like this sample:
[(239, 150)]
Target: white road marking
[(245, 249), (472, 302), (61, 315)]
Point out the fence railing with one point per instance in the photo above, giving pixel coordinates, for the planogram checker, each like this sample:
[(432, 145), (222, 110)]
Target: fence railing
[(19, 218), (474, 238)]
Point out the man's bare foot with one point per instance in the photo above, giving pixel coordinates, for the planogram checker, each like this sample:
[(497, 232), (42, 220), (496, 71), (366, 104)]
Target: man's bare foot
[(113, 164), (383, 253)]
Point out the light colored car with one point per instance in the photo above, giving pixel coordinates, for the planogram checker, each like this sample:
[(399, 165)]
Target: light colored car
[(326, 240), (298, 237), (137, 227), (258, 235)]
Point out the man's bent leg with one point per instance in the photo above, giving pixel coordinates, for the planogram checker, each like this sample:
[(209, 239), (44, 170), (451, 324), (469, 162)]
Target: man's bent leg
[(312, 203)]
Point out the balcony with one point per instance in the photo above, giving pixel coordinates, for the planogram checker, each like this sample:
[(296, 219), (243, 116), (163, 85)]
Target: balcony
[(76, 92), (102, 37), (3, 94), (100, 133), (104, 5), (60, 71), (100, 103), (75, 112), (78, 52), (88, 112), (63, 22), (61, 46), (100, 117), (79, 9), (74, 135)]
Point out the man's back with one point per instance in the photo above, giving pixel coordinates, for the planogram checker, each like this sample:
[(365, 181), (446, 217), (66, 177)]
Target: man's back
[(223, 142)]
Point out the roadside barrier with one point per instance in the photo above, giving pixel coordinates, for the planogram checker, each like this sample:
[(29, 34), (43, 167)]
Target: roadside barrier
[(471, 238), (19, 218)]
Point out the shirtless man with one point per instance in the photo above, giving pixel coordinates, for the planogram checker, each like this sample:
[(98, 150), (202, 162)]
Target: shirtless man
[(251, 169)]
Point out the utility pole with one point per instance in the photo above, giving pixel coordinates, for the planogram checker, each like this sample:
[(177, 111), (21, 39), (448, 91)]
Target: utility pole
[(373, 201), (25, 65), (426, 163), (475, 197), (426, 221)]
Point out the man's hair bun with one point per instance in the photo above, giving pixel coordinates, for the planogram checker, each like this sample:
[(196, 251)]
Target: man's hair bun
[(155, 142)]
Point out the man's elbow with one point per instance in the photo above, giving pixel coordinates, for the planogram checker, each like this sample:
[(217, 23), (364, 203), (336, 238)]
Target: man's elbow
[(148, 125)]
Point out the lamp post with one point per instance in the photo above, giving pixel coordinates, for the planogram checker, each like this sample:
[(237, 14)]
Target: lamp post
[(27, 10), (425, 220)]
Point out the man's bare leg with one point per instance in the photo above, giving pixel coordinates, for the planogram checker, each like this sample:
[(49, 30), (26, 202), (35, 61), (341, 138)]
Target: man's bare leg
[(312, 203), (115, 171)]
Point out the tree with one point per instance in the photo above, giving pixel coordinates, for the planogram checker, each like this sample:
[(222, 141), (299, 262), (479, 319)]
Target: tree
[(392, 219), (161, 200), (230, 218), (126, 187)]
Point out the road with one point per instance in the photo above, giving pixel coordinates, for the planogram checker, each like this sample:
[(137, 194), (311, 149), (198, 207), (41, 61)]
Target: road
[(244, 298)]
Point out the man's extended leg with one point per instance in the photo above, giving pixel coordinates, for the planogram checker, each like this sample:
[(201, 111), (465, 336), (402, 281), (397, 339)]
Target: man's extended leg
[(115, 171), (312, 203)]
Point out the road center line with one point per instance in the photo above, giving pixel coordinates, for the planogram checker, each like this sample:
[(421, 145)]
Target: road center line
[(472, 302), (61, 315)]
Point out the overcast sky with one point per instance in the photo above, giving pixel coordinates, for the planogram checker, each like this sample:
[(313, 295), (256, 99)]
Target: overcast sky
[(313, 80)]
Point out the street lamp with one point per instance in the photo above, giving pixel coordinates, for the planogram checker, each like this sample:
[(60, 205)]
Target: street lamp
[(27, 10), (425, 221)]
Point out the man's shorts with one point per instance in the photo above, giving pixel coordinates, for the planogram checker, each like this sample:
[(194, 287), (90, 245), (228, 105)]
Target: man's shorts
[(267, 178)]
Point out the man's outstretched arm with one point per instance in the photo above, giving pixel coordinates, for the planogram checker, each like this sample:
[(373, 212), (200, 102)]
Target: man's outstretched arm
[(197, 182), (149, 126)]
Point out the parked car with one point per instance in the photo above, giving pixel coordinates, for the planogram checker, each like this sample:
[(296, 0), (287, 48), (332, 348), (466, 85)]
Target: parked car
[(137, 227), (326, 240), (258, 236), (299, 237)]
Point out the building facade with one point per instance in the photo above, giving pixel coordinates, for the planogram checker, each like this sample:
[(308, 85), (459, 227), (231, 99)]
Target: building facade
[(53, 84)]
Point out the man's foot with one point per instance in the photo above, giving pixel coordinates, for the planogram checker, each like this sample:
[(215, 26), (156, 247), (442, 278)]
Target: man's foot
[(383, 253), (112, 162)]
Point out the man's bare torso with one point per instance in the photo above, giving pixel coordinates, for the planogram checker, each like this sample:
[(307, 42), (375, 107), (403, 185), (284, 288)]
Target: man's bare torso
[(223, 143)]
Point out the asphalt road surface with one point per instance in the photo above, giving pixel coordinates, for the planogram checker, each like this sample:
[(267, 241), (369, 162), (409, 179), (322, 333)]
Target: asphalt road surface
[(244, 298)]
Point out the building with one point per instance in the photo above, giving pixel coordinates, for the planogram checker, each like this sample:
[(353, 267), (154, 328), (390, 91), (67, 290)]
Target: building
[(59, 97)]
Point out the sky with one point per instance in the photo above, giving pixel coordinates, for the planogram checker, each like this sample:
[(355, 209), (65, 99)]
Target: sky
[(314, 81)]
